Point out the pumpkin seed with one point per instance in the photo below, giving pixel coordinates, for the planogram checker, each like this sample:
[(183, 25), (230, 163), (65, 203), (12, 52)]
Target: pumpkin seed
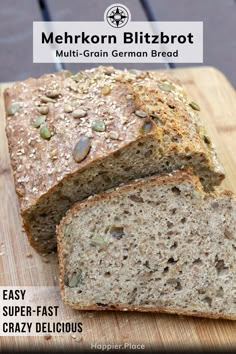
[(52, 93), (67, 108), (39, 121), (13, 108), (165, 86), (141, 114), (98, 126), (114, 135), (45, 132), (46, 99), (75, 279), (43, 109), (81, 149), (105, 90), (79, 113), (194, 106)]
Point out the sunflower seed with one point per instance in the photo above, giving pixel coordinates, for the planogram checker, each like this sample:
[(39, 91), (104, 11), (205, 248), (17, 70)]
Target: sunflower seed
[(147, 127), (109, 71), (46, 99), (117, 232), (52, 93), (97, 240), (68, 108), (79, 113), (114, 135), (194, 106), (141, 114), (206, 139), (43, 109)]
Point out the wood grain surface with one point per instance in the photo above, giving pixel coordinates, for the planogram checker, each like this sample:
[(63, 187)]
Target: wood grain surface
[(21, 265)]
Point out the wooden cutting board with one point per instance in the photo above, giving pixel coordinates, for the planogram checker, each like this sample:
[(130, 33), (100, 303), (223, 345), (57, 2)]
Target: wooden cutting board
[(21, 265)]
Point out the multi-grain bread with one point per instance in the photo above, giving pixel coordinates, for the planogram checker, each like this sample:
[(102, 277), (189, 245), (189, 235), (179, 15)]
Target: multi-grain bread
[(73, 136), (157, 244)]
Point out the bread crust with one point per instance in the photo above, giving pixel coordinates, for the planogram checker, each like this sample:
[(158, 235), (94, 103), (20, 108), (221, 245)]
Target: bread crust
[(19, 128), (176, 311), (131, 100), (186, 175)]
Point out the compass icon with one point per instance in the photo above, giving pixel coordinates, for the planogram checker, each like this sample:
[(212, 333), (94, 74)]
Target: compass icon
[(117, 15)]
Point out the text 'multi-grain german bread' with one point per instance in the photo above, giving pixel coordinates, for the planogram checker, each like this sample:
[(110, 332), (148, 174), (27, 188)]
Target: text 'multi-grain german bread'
[(73, 136), (158, 244)]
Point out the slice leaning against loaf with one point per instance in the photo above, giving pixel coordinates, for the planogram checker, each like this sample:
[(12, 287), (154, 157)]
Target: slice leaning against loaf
[(73, 136), (158, 244)]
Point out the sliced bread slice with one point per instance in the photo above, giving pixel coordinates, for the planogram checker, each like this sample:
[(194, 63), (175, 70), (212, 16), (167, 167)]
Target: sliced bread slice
[(158, 244)]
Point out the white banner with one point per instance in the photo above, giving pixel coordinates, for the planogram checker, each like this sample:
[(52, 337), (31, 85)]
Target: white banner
[(134, 42)]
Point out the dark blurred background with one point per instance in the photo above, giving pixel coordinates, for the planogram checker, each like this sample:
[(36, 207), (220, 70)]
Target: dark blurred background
[(219, 17)]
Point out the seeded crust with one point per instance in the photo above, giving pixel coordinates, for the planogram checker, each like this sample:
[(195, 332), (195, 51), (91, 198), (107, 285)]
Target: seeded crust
[(176, 252), (166, 135)]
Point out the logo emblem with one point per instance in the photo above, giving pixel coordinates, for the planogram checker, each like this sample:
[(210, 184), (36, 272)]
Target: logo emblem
[(117, 15)]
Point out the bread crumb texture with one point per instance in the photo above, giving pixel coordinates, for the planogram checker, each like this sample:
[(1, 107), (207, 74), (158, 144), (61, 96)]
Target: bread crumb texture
[(158, 244)]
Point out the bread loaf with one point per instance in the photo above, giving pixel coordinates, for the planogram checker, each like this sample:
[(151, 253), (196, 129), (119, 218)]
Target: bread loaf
[(158, 244), (73, 136)]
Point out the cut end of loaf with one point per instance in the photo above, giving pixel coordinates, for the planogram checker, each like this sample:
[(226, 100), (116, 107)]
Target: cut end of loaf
[(159, 244)]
